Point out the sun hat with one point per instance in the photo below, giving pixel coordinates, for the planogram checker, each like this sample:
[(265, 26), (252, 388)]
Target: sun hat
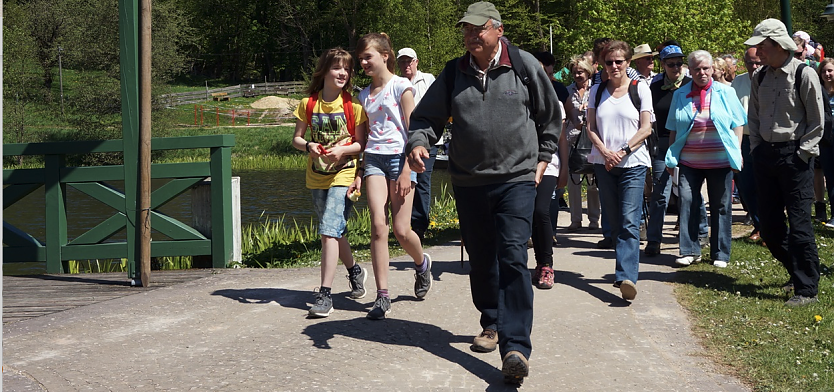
[(642, 51), (407, 52), (775, 30), (479, 13), (671, 51)]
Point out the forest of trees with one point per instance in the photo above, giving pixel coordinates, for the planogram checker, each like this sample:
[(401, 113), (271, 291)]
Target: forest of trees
[(234, 41)]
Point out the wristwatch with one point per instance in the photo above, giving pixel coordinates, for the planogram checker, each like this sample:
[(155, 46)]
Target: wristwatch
[(626, 148)]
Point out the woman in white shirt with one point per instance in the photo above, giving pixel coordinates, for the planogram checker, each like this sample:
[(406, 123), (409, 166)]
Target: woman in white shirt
[(618, 131)]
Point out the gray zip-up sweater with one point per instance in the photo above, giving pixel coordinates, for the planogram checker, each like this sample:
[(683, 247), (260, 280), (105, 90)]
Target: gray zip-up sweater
[(495, 138)]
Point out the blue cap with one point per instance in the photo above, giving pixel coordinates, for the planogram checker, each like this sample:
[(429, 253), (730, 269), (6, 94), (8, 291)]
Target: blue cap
[(671, 51)]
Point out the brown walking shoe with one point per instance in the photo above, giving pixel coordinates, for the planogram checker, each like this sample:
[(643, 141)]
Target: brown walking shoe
[(486, 342), (515, 368)]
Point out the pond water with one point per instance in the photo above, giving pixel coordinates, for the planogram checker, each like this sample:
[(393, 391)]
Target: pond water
[(263, 194)]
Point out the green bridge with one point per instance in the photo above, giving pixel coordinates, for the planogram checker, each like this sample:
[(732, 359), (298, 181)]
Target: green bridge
[(55, 177)]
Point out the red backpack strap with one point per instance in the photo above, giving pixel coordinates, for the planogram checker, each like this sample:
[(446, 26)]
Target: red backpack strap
[(347, 106), (311, 105)]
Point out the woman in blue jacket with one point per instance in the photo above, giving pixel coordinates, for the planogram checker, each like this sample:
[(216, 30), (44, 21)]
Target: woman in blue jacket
[(706, 120)]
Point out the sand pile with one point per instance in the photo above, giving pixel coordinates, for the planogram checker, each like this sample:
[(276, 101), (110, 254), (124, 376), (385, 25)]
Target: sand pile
[(273, 102)]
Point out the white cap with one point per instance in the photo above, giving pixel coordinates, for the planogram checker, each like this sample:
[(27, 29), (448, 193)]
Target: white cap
[(407, 52)]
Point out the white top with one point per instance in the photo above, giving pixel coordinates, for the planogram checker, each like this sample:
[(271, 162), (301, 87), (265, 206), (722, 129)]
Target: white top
[(618, 121), (421, 83), (741, 83), (387, 131), (554, 165)]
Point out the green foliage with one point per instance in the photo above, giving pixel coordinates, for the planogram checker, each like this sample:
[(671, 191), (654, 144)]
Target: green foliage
[(740, 315)]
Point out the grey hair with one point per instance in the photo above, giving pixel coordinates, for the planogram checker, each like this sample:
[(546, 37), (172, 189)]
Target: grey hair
[(697, 57), (496, 24)]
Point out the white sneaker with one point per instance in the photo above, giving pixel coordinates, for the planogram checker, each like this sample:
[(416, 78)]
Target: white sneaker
[(830, 223), (687, 260), (720, 264)]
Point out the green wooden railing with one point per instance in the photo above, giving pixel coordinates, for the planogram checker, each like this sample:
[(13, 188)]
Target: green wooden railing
[(55, 176)]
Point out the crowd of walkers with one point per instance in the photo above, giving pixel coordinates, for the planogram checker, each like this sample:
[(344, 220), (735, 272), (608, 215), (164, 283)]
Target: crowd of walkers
[(754, 137)]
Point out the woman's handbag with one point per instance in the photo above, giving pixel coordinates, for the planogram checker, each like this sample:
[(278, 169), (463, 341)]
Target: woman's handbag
[(579, 151)]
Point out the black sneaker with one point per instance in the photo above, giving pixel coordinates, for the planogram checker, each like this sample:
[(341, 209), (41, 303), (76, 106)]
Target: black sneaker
[(356, 278), (652, 249), (382, 307), (605, 243), (422, 281), (322, 306)]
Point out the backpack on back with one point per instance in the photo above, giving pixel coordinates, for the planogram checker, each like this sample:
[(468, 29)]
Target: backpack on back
[(828, 119)]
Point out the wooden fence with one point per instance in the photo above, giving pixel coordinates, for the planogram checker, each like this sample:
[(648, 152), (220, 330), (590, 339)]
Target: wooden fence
[(241, 90)]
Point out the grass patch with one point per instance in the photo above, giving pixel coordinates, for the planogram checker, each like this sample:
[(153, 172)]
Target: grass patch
[(276, 243), (738, 313)]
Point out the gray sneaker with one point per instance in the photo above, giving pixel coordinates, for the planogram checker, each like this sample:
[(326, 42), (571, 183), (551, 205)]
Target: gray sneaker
[(799, 300), (422, 281), (382, 307), (322, 306), (356, 278)]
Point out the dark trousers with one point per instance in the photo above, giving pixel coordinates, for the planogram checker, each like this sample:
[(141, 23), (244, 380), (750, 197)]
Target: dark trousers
[(746, 183), (495, 223), (422, 196), (785, 182), (827, 162), (542, 227)]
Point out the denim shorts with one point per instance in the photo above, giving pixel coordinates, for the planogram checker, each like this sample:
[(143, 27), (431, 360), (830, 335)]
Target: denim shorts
[(388, 165), (333, 210)]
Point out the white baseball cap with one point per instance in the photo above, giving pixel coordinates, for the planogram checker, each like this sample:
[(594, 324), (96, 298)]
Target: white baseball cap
[(407, 52)]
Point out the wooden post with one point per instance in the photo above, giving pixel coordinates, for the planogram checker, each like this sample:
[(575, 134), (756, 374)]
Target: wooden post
[(144, 245), (195, 115), (233, 117), (217, 115), (201, 115)]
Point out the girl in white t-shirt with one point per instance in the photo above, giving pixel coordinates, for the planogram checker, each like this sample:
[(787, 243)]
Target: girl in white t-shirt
[(388, 101)]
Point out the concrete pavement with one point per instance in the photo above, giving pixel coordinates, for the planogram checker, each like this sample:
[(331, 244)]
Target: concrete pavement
[(246, 330)]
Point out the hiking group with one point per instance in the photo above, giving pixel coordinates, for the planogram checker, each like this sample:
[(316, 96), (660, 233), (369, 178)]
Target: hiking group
[(515, 130)]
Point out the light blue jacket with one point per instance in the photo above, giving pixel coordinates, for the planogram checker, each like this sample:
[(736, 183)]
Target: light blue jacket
[(725, 111)]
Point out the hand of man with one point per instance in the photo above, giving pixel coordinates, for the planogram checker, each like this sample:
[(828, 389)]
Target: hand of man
[(415, 159), (540, 168)]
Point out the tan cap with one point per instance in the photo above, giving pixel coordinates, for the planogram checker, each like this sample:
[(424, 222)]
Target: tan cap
[(642, 51), (775, 30), (479, 13)]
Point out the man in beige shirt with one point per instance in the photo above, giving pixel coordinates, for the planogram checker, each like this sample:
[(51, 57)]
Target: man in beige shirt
[(785, 128), (745, 180)]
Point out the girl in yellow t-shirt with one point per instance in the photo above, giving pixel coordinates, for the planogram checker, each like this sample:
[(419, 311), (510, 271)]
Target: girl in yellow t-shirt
[(333, 148)]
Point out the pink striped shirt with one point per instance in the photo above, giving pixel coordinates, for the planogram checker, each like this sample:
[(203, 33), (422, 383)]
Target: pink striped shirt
[(703, 148)]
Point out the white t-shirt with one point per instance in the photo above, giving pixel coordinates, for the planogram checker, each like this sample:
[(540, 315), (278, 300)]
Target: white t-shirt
[(617, 122), (554, 165), (386, 125), (421, 83)]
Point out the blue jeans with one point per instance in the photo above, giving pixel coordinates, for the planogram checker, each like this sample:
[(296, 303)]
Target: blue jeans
[(422, 196), (720, 191), (621, 194), (333, 209), (747, 183), (495, 223), (388, 165), (661, 190)]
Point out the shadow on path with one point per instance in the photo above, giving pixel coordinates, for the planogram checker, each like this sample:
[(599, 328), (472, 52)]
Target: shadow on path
[(294, 299), (430, 338)]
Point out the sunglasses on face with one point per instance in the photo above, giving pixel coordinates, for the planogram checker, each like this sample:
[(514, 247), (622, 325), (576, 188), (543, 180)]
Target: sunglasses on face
[(612, 62), (674, 65)]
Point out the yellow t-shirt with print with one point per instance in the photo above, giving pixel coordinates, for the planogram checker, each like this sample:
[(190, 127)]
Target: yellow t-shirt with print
[(329, 128)]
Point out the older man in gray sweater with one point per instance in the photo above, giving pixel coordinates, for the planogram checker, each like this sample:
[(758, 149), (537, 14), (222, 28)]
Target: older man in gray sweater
[(505, 132)]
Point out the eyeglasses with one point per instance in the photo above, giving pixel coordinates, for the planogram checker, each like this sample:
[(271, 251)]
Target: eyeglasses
[(405, 62), (612, 62), (674, 65), (700, 69), (475, 30)]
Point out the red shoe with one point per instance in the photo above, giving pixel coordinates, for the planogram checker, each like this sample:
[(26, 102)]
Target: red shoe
[(543, 277)]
